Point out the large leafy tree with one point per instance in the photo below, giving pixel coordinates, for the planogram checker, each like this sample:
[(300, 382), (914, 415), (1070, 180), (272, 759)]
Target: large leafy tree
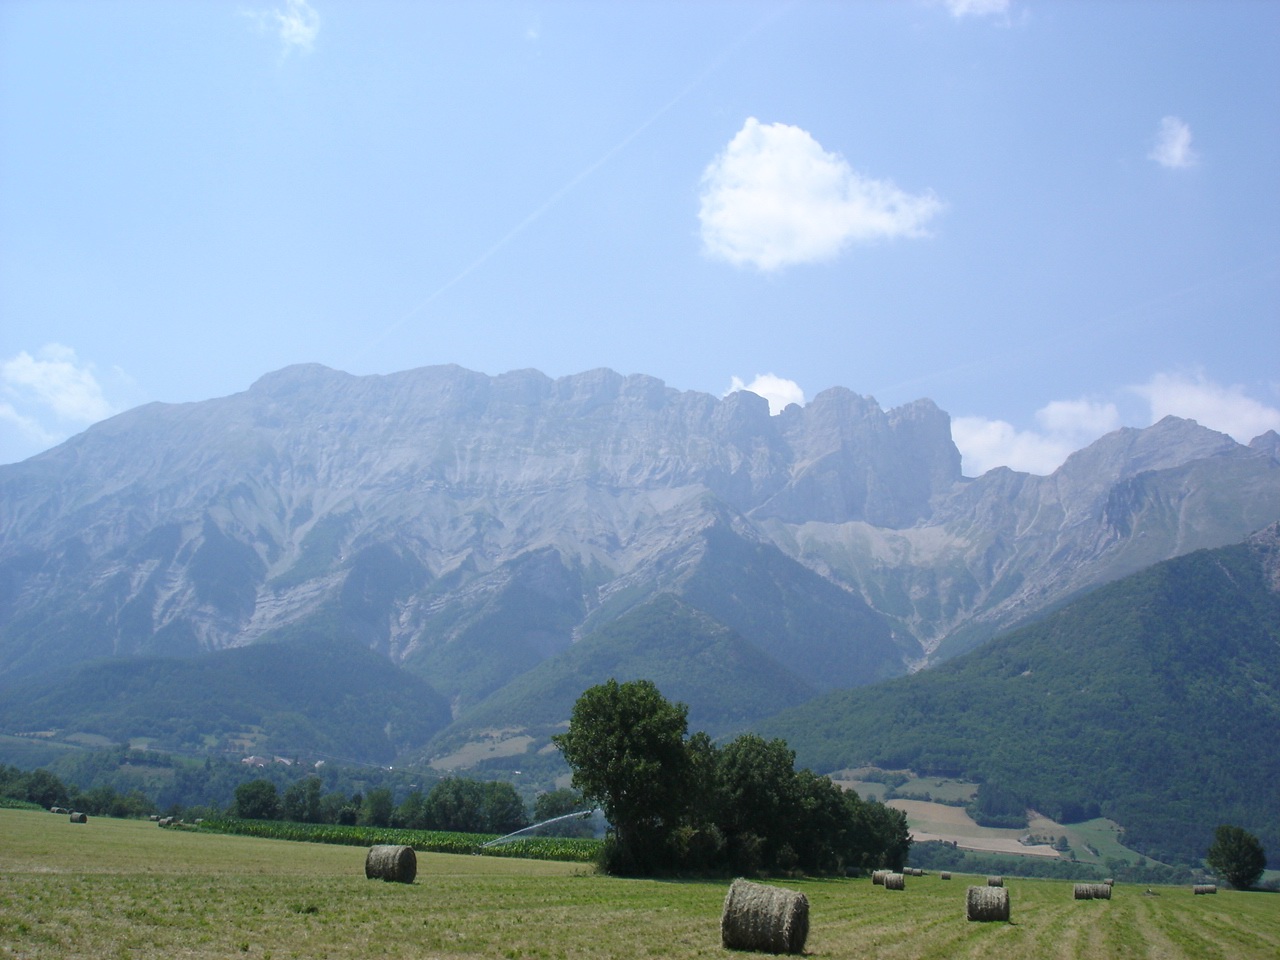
[(626, 747), (1237, 856), (257, 800), (761, 801)]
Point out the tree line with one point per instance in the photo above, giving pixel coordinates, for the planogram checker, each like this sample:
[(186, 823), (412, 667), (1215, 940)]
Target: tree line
[(680, 803), (455, 803)]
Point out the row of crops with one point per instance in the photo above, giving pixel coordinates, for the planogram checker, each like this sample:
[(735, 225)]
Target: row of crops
[(573, 849)]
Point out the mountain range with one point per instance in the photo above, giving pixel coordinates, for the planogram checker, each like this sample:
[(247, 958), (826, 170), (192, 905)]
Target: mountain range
[(506, 540)]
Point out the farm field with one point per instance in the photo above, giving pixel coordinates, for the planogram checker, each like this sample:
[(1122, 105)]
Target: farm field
[(119, 888)]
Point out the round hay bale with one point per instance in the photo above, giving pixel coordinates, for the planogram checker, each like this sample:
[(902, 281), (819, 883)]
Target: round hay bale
[(995, 881), (395, 864), (1200, 888), (1110, 881), (944, 875), (1092, 891), (987, 903), (78, 817), (895, 881), (165, 821), (877, 877), (763, 918)]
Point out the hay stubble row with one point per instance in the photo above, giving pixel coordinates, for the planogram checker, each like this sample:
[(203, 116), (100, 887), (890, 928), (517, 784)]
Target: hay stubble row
[(122, 888)]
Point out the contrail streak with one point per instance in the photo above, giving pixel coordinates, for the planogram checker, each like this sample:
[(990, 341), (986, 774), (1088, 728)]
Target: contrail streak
[(569, 187)]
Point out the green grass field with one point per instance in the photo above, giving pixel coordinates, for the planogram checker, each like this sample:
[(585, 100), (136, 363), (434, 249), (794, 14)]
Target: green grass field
[(118, 888)]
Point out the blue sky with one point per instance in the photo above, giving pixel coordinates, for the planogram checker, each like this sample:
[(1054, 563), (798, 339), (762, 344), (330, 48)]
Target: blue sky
[(1051, 218)]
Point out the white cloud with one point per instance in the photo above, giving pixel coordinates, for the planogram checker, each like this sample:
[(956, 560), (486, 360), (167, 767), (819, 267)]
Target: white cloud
[(297, 24), (775, 197), (46, 397), (977, 8), (33, 436), (1064, 426), (1173, 145), (1225, 409), (776, 390), (55, 379)]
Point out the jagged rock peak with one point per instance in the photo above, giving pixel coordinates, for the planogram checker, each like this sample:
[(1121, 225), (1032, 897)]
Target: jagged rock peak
[(1268, 443)]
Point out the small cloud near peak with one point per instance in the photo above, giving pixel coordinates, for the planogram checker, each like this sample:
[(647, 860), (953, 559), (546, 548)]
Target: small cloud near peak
[(296, 23), (977, 8), (1172, 149), (779, 392)]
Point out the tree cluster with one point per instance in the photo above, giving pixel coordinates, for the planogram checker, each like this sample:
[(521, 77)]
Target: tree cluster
[(47, 790), (679, 803), (466, 806)]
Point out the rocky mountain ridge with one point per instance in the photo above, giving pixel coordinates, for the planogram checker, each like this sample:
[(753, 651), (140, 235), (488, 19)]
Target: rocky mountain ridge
[(471, 527)]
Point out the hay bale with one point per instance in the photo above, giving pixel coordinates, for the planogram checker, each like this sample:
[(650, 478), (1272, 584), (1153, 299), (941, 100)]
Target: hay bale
[(78, 817), (877, 877), (944, 875), (1110, 881), (895, 881), (1092, 891), (987, 903), (395, 864), (763, 918), (995, 881), (1200, 888)]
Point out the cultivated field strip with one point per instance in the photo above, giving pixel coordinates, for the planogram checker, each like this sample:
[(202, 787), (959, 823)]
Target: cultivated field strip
[(116, 889)]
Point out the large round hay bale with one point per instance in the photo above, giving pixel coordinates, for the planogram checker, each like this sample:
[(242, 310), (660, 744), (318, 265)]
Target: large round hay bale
[(995, 881), (78, 817), (877, 877), (1200, 888), (763, 918), (944, 875), (895, 881), (987, 903), (1092, 891), (398, 864)]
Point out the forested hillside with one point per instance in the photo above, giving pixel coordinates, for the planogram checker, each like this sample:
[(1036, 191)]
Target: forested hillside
[(1154, 701)]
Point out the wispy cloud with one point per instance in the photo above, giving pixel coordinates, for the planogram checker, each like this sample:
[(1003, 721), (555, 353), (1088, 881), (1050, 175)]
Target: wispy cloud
[(46, 397), (296, 23), (1173, 145), (1063, 427), (977, 8), (1226, 409), (778, 391), (56, 380), (775, 197)]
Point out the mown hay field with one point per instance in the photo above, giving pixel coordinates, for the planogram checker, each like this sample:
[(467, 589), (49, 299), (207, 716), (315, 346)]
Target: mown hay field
[(115, 888)]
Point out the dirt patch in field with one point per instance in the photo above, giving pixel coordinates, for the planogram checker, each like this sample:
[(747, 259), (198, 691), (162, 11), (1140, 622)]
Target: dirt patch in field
[(938, 821), (985, 845), (497, 745)]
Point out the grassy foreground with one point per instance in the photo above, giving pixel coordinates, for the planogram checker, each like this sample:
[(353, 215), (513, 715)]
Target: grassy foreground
[(118, 888)]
